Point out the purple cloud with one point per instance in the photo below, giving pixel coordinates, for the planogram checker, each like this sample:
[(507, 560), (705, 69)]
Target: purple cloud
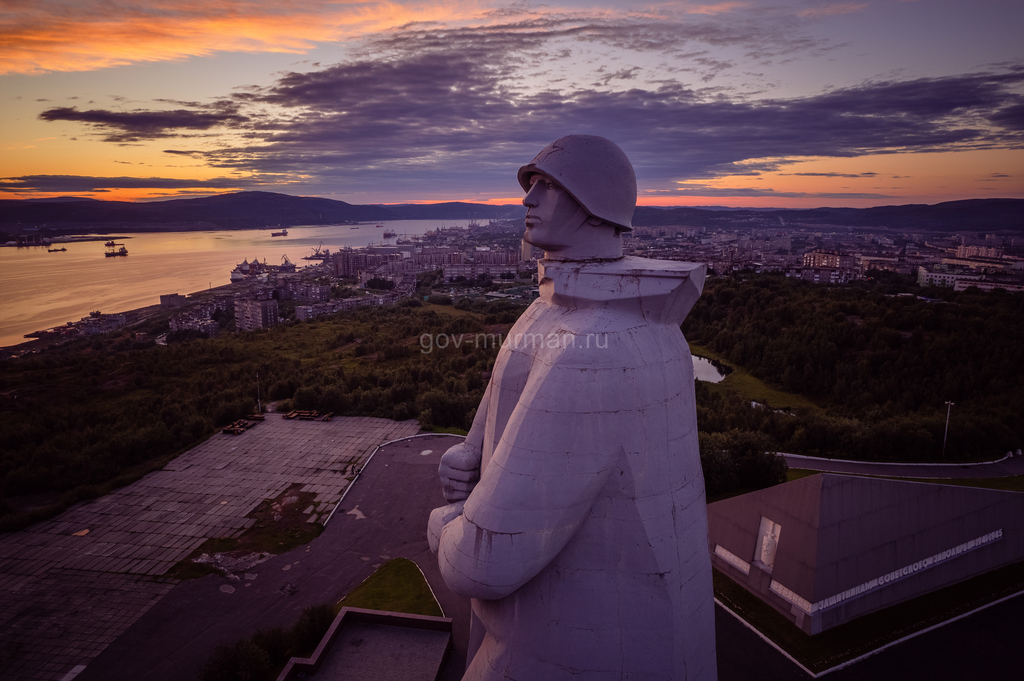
[(132, 126)]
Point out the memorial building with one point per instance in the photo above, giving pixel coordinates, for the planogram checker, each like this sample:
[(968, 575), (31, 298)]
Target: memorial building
[(828, 548)]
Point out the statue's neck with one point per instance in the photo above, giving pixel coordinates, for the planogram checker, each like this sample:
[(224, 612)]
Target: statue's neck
[(605, 245)]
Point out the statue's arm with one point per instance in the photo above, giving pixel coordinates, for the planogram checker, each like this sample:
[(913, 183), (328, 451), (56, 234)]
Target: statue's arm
[(536, 491), (460, 465)]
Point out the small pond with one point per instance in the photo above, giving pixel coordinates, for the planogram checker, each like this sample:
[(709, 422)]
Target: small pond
[(704, 370)]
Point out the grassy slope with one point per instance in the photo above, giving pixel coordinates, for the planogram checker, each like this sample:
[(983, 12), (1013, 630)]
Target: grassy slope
[(396, 586)]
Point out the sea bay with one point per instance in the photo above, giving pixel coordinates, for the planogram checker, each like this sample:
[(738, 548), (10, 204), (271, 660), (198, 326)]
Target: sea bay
[(42, 290)]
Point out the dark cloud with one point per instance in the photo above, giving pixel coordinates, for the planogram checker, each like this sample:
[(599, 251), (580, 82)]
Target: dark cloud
[(436, 110), (79, 183), (132, 126), (532, 42), (430, 116), (1010, 117), (621, 74)]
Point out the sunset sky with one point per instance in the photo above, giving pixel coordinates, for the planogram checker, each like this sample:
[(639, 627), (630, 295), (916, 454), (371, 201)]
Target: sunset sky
[(796, 104)]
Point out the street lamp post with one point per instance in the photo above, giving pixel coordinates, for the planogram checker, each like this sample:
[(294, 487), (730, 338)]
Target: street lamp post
[(259, 407), (949, 405)]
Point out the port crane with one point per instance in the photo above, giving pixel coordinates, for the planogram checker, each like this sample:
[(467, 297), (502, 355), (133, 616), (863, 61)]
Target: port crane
[(320, 253)]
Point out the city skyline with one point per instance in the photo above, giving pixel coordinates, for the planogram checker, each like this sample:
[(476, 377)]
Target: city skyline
[(737, 103)]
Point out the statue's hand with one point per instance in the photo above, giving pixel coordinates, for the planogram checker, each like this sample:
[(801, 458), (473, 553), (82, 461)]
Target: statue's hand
[(459, 472), (440, 517)]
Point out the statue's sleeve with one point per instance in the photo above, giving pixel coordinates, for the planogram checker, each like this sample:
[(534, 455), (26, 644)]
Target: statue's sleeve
[(475, 437), (555, 455)]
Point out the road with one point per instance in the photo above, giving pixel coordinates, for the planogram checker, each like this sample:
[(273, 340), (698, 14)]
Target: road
[(1005, 467)]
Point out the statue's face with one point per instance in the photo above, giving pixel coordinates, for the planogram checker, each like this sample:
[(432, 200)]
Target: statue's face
[(548, 211)]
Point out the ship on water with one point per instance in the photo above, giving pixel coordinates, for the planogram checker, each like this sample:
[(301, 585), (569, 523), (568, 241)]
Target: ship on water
[(112, 253), (283, 232), (56, 250), (257, 270)]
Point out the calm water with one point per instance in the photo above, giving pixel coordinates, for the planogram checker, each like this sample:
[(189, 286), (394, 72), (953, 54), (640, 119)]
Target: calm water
[(704, 370), (40, 290)]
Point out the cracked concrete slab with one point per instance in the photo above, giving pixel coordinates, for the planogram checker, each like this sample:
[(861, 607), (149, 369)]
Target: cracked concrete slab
[(71, 585)]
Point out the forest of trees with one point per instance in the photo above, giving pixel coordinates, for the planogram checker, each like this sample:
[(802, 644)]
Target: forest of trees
[(879, 367), (81, 414)]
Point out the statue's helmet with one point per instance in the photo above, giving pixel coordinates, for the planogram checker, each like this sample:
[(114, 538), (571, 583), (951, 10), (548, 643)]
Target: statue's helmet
[(594, 171)]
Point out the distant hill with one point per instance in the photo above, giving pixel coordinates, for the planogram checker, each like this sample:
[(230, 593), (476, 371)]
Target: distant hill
[(972, 215), (455, 210), (252, 210), (243, 210)]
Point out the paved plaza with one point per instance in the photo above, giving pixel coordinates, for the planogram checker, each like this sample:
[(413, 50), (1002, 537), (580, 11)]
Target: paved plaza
[(71, 585)]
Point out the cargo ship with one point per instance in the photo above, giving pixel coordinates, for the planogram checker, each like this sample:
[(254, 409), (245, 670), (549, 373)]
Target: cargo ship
[(283, 232), (112, 253)]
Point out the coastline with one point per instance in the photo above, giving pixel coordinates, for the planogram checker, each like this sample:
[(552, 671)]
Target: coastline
[(34, 345), (67, 239)]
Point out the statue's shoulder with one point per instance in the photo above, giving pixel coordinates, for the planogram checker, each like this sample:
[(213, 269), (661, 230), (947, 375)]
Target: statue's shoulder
[(626, 267), (658, 291)]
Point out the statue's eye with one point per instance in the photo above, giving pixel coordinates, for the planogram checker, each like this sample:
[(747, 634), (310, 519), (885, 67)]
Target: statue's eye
[(551, 185)]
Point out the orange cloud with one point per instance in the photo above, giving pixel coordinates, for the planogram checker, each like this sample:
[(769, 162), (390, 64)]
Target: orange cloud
[(52, 35), (831, 10), (720, 8), (132, 195)]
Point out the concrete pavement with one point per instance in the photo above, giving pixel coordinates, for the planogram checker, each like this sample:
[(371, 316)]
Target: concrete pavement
[(126, 625), (71, 585), (383, 516)]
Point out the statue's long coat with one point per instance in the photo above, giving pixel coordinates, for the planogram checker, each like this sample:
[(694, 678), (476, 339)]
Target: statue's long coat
[(584, 545)]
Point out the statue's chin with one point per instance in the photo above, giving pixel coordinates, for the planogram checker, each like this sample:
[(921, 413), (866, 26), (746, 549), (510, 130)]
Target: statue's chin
[(544, 244)]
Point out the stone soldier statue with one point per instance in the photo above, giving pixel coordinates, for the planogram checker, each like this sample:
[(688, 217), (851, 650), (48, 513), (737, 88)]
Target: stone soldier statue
[(577, 520)]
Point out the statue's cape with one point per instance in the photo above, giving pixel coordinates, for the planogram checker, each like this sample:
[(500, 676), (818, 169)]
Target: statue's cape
[(662, 291)]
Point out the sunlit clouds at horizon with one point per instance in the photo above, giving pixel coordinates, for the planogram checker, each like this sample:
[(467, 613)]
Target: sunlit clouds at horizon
[(60, 35), (734, 103)]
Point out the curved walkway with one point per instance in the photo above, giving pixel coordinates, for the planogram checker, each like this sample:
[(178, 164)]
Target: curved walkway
[(1005, 467)]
